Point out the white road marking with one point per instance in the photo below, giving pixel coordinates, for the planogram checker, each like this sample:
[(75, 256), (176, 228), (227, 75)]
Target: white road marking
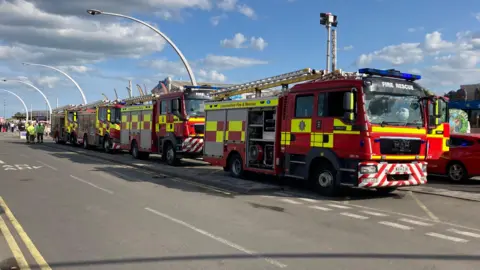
[(217, 238), (374, 213), (91, 184), (395, 225), (282, 194), (446, 237), (320, 208), (1, 162), (416, 222), (219, 190), (429, 213), (23, 155), (339, 206), (290, 201), (46, 165), (308, 200), (353, 215), (475, 235)]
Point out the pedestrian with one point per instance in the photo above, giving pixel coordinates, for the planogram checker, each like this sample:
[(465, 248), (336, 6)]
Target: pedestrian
[(40, 132), (12, 126), (30, 133)]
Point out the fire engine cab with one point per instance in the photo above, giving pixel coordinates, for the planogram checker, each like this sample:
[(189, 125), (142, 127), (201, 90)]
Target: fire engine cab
[(362, 129)]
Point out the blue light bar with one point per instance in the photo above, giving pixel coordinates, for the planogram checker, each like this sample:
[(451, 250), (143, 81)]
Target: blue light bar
[(203, 87), (390, 73)]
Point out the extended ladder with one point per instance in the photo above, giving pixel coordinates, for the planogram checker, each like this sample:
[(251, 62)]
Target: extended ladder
[(302, 75)]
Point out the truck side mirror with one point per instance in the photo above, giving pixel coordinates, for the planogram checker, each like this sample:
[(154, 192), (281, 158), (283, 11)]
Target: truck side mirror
[(349, 105)]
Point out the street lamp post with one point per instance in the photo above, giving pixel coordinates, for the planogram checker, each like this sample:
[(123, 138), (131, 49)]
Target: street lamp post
[(38, 90), (66, 75), (21, 100), (94, 12)]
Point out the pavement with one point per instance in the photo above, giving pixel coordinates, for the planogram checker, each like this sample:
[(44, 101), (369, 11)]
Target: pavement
[(69, 210)]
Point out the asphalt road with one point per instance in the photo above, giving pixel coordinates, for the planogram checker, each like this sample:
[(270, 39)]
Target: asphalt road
[(78, 212)]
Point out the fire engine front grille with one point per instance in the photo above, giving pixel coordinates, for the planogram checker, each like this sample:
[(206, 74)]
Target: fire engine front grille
[(199, 128), (400, 146)]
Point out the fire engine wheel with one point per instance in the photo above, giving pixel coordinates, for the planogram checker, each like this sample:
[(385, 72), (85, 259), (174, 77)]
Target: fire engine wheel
[(456, 172), (85, 142), (236, 166), (170, 155), (107, 145), (324, 180)]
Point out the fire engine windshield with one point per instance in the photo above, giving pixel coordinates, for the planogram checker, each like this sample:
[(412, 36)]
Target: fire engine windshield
[(195, 107), (393, 102), (116, 116)]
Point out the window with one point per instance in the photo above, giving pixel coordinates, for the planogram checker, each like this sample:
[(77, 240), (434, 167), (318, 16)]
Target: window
[(321, 105), (334, 103), (455, 142), (102, 114), (163, 107), (304, 106)]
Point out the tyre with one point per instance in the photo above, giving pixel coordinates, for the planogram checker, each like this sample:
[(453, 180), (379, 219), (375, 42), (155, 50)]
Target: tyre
[(170, 155), (324, 180), (236, 166), (135, 151), (85, 142), (107, 145), (386, 190), (456, 172)]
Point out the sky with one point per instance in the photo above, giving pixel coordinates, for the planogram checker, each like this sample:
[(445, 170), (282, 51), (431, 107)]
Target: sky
[(227, 41)]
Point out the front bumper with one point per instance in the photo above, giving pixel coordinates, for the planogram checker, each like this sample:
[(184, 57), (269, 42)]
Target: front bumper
[(393, 174)]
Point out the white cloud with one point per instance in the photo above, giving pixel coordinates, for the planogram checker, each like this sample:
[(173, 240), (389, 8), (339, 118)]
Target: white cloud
[(211, 75), (222, 62), (258, 43), (416, 29), (215, 20), (47, 81), (238, 42), (443, 63), (227, 4), (477, 16), (348, 48), (247, 11)]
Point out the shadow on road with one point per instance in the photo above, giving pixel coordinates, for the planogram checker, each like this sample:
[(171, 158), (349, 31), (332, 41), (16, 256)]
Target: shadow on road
[(471, 185), (318, 256), (202, 172)]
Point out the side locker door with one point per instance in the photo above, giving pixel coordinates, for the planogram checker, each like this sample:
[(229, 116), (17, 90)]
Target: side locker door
[(318, 119), (215, 125), (125, 130), (145, 132), (135, 126), (301, 123), (161, 126), (170, 125)]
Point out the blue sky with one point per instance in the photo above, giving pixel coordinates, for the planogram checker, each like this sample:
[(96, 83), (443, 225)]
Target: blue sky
[(428, 37)]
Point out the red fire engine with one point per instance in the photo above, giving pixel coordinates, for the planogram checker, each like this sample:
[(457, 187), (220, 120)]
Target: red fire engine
[(65, 124), (99, 125), (364, 129), (173, 125)]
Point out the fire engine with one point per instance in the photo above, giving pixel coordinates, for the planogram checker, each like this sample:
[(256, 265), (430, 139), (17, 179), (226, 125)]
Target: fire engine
[(173, 125), (65, 124), (367, 129), (99, 125)]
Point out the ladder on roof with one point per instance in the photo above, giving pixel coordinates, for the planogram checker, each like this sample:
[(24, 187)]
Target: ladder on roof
[(302, 75)]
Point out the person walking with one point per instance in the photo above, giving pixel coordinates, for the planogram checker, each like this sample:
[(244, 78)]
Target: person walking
[(40, 132)]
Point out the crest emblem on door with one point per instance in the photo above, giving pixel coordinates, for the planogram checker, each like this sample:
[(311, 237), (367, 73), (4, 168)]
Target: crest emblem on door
[(302, 125)]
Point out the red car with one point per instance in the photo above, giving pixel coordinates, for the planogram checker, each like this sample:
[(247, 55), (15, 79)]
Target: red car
[(462, 162)]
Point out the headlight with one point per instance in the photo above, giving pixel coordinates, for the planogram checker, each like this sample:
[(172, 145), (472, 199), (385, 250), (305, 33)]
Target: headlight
[(368, 169)]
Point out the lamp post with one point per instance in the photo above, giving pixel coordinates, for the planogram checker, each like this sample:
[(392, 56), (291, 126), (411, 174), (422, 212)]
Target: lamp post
[(94, 12), (21, 100), (66, 75), (38, 90)]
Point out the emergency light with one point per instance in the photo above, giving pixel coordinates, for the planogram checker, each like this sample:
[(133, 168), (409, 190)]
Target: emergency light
[(390, 73)]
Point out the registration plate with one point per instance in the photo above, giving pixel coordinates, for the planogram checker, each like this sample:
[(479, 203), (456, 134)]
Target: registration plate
[(401, 169)]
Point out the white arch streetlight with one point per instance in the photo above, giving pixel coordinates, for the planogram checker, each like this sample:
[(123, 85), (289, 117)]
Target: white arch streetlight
[(38, 90), (21, 100), (66, 75), (94, 12)]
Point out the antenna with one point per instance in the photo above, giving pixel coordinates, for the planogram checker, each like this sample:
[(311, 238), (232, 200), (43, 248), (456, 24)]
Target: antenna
[(329, 20)]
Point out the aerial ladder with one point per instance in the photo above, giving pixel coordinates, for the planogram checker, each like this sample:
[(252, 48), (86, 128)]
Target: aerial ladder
[(283, 80)]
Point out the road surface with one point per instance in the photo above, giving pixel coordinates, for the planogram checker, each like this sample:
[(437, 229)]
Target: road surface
[(71, 211)]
